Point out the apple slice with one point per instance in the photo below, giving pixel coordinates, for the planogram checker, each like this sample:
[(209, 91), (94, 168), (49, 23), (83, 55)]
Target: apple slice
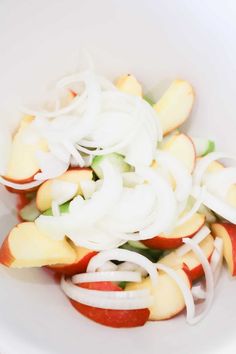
[(83, 256), (175, 238), (175, 261), (227, 232), (23, 164), (26, 246), (175, 105), (44, 193), (129, 84), (111, 318), (182, 148), (168, 298)]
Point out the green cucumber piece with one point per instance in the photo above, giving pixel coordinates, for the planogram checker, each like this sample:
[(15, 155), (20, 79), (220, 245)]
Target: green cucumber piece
[(64, 208), (151, 254), (115, 159), (30, 211), (203, 146), (137, 244), (149, 100)]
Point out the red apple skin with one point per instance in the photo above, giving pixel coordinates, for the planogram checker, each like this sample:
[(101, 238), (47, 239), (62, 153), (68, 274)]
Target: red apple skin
[(197, 272), (231, 230), (187, 271), (111, 318), (164, 243), (6, 258), (21, 181), (17, 191), (75, 268)]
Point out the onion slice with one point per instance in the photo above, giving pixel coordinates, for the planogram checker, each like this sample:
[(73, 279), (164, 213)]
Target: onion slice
[(220, 207), (179, 172), (107, 276), (19, 186), (203, 164), (62, 191), (123, 255), (186, 291), (217, 258), (197, 238), (167, 206), (116, 300), (220, 181), (209, 279), (50, 166)]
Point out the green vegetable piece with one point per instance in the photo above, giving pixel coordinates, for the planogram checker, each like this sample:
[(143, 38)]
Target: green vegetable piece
[(151, 254), (211, 147), (64, 208), (30, 211), (149, 100), (116, 160)]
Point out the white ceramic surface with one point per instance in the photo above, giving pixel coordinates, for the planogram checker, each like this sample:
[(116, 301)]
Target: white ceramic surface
[(157, 41)]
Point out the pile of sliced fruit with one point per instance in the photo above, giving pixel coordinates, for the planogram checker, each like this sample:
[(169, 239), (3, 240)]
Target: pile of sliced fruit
[(134, 215)]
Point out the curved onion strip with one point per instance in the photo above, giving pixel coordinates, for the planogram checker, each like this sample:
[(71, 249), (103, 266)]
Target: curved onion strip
[(107, 276), (220, 207), (128, 266), (167, 207), (179, 172), (90, 211), (220, 181), (197, 238), (217, 258), (50, 166), (74, 153), (125, 141), (193, 210), (106, 243), (129, 300), (203, 164), (125, 216), (208, 276), (78, 100), (62, 191), (123, 255), (108, 267), (19, 186), (55, 209), (186, 291), (198, 292)]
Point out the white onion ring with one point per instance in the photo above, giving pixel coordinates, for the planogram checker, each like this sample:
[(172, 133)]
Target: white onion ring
[(107, 276), (219, 182), (187, 294), (167, 207), (204, 162), (19, 186), (208, 276), (197, 238), (179, 172), (123, 255), (136, 299)]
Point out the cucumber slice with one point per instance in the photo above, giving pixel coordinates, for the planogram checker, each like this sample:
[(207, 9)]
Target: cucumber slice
[(64, 208), (116, 160), (137, 244), (30, 212), (203, 146), (149, 100), (151, 254)]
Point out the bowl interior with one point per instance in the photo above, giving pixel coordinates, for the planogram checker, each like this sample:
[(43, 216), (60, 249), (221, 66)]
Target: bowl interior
[(157, 41)]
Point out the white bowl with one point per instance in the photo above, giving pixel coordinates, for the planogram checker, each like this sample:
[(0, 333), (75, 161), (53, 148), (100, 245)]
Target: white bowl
[(157, 41)]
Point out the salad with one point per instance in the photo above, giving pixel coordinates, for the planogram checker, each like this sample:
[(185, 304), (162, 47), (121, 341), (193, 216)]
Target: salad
[(133, 215)]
